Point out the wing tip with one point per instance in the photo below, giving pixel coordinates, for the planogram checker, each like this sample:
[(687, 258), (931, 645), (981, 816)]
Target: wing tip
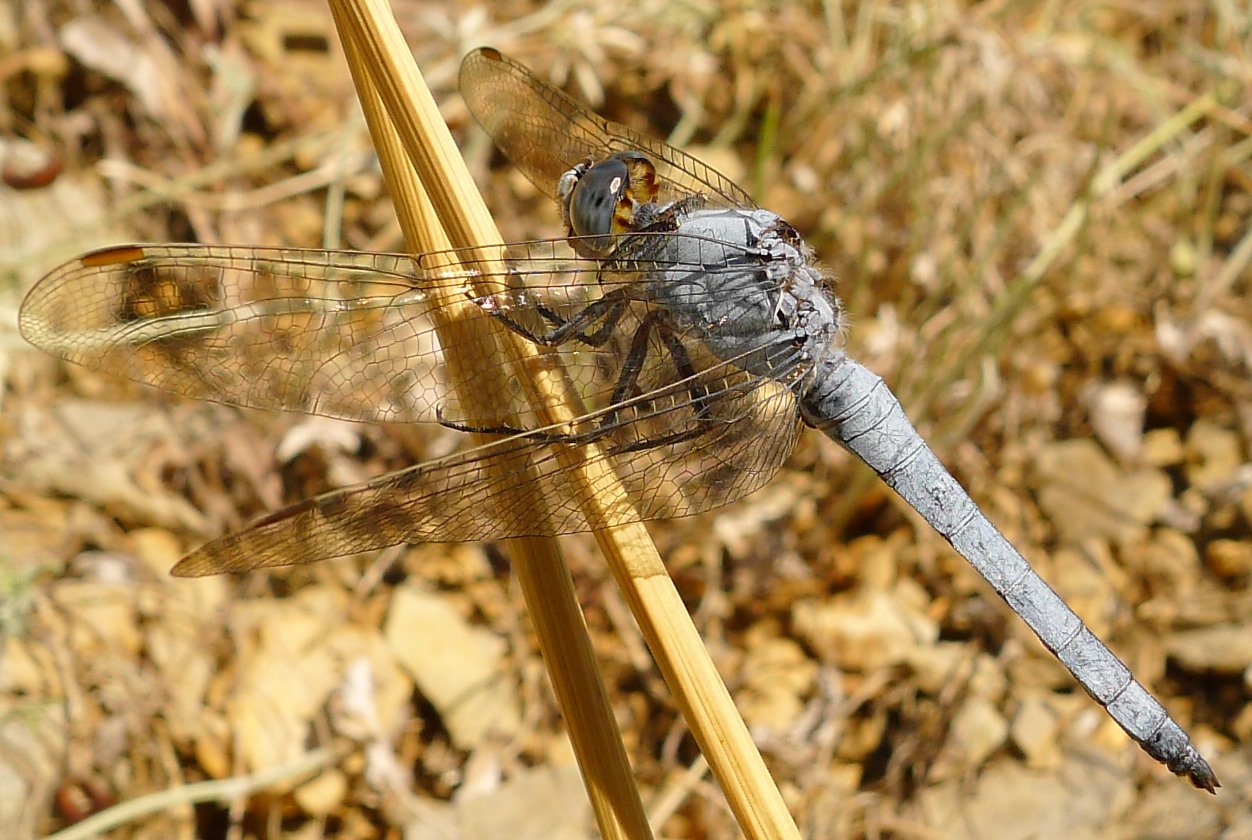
[(194, 565)]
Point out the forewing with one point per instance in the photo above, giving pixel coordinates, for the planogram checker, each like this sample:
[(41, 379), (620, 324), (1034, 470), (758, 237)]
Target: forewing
[(544, 132), (346, 334), (337, 333)]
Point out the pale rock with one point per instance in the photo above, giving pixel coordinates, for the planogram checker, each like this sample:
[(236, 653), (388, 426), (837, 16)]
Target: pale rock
[(1035, 732), (1229, 559), (978, 731), (863, 630), (777, 675), (1117, 415), (540, 803), (1087, 496), (1162, 448), (936, 666), (1222, 649), (460, 668), (1214, 456), (1082, 801)]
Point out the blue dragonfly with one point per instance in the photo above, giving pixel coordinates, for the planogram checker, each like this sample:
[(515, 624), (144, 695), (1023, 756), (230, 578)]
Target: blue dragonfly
[(695, 326)]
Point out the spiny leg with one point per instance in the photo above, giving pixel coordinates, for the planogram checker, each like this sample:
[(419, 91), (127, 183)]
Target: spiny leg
[(628, 383), (608, 310)]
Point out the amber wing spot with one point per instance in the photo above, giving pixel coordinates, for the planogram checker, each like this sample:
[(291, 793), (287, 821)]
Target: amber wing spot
[(113, 256)]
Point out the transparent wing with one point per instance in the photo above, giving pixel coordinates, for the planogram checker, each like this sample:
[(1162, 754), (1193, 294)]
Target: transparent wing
[(339, 333), (545, 132), (354, 335), (499, 490)]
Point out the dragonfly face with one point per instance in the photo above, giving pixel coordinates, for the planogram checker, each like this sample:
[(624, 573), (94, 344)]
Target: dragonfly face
[(601, 201)]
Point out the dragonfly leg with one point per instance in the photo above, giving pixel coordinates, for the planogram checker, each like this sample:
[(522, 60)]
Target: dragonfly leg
[(628, 387), (607, 311), (581, 327), (503, 429)]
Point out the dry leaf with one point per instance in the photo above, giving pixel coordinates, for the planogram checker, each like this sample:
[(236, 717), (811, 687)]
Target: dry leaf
[(1087, 496), (460, 668), (101, 46), (865, 630)]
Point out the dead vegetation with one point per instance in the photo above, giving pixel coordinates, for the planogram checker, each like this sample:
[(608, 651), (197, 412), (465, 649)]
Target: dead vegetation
[(1039, 221)]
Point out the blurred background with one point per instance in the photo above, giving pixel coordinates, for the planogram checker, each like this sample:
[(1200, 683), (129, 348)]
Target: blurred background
[(1038, 216)]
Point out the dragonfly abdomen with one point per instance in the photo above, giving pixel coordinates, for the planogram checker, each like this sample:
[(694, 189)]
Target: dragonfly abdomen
[(852, 405)]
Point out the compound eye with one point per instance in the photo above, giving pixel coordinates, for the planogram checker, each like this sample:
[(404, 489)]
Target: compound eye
[(592, 207)]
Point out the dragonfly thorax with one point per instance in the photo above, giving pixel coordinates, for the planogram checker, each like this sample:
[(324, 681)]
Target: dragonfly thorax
[(745, 283)]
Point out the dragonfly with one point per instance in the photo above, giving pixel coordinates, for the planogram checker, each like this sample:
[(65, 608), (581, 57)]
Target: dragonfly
[(695, 327)]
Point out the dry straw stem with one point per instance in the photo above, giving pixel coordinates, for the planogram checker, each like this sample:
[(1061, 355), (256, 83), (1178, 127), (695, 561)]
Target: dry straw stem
[(545, 580), (380, 50)]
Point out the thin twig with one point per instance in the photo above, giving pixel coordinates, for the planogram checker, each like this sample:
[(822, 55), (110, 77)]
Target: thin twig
[(217, 790)]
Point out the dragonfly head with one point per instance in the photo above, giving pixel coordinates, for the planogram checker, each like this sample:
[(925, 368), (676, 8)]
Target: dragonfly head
[(599, 200)]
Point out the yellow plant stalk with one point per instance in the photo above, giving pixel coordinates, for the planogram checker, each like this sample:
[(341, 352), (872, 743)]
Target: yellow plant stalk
[(411, 122)]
